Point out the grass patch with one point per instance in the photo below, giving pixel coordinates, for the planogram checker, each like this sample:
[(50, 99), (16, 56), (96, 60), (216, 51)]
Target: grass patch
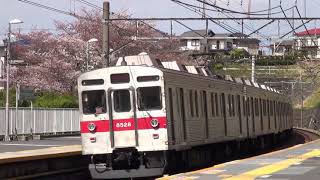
[(313, 100)]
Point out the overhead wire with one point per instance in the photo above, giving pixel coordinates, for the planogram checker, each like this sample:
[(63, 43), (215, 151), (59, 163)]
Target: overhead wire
[(229, 16), (245, 25), (244, 13), (218, 9), (221, 24), (90, 4)]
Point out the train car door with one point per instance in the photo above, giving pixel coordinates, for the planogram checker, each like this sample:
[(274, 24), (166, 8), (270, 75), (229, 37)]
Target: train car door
[(123, 119)]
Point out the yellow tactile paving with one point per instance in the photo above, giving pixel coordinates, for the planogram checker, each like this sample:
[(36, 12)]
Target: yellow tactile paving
[(272, 168), (213, 171), (224, 175), (9, 157)]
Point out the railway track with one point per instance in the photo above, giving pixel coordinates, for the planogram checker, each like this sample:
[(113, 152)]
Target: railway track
[(65, 174), (298, 136), (307, 134)]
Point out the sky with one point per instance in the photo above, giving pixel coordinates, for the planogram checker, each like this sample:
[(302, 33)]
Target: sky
[(35, 17)]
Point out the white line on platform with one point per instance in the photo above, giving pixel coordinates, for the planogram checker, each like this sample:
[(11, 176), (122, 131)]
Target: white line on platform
[(265, 176), (36, 145)]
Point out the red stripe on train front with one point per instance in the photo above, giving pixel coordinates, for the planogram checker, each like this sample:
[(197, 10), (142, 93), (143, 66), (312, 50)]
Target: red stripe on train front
[(122, 124)]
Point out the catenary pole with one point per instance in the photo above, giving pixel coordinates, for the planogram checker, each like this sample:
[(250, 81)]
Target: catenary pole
[(105, 42)]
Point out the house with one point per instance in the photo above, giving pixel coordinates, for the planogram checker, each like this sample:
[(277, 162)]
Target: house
[(200, 40), (282, 48), (308, 41)]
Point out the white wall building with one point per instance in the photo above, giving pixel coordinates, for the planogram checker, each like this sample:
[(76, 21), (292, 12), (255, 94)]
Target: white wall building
[(196, 41), (308, 41)]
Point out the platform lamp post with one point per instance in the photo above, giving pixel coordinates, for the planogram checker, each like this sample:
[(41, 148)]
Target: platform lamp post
[(87, 51), (14, 21)]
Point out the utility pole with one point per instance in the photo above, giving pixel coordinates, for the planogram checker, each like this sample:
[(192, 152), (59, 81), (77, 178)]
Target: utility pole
[(253, 64), (269, 10), (305, 8), (204, 9), (7, 137), (249, 8), (301, 111), (105, 41)]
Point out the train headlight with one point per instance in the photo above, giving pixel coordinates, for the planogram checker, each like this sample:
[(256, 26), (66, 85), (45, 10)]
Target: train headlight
[(92, 127), (154, 123)]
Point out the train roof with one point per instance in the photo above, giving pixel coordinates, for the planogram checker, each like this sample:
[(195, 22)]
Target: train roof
[(144, 59)]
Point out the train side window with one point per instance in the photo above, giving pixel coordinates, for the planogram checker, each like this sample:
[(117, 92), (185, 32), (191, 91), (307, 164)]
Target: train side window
[(233, 106), (92, 82), (183, 112), (121, 99), (264, 108), (257, 106), (261, 106), (212, 106), (229, 105), (171, 115), (238, 100), (196, 103), (217, 104), (191, 103), (147, 78), (94, 102), (149, 98), (244, 106), (267, 107), (271, 108)]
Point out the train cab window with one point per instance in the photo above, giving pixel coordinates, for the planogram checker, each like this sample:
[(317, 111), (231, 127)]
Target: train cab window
[(120, 78), (94, 102), (149, 98), (121, 99)]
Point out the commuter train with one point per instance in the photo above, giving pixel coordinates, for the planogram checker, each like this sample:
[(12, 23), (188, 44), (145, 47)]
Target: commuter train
[(142, 117)]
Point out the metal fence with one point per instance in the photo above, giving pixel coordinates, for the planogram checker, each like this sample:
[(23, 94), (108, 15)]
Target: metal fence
[(40, 121)]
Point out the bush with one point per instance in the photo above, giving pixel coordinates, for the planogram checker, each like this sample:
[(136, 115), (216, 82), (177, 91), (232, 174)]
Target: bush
[(55, 100), (43, 99), (276, 61), (218, 66), (12, 98), (238, 53)]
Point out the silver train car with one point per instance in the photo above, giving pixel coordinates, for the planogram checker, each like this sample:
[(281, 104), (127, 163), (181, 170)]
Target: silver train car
[(144, 117)]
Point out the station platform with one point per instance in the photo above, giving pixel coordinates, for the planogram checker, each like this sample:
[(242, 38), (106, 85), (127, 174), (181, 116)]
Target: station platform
[(298, 162), (17, 151)]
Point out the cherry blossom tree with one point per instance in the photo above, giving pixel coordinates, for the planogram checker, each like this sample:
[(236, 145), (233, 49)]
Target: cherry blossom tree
[(55, 60)]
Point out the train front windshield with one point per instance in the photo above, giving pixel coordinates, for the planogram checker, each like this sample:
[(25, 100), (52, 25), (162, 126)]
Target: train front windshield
[(94, 102), (149, 98)]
